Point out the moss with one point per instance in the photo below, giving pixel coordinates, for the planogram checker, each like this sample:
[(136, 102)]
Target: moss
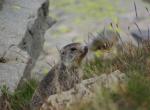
[(45, 71), (62, 29), (53, 16), (78, 39), (97, 9)]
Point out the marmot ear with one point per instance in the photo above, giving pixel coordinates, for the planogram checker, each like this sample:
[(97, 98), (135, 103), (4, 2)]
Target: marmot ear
[(58, 49)]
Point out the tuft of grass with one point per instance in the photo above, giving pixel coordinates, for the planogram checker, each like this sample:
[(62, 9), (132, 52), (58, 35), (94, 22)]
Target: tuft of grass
[(136, 65), (102, 101), (98, 67), (20, 99), (139, 90)]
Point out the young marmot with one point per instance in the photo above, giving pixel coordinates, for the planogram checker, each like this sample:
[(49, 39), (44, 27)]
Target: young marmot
[(63, 76)]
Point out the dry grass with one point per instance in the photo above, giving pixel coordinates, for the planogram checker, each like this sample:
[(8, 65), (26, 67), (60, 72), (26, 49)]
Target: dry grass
[(136, 65)]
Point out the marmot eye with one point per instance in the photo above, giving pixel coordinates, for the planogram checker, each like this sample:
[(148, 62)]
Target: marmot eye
[(73, 49)]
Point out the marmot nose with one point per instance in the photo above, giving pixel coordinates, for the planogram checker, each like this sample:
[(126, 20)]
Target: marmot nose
[(85, 49)]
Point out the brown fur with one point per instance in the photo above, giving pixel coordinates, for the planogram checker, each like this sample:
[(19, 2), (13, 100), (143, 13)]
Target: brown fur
[(62, 76)]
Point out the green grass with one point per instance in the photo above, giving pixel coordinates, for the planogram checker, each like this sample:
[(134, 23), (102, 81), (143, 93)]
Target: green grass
[(139, 89), (136, 65), (102, 101), (20, 99)]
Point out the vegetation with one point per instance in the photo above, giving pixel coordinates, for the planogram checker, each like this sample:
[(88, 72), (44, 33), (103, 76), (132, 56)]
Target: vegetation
[(20, 99), (99, 9), (135, 64), (137, 94)]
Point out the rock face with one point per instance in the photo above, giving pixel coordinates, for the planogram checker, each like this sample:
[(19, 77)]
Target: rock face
[(22, 27), (1, 4), (85, 91), (142, 33)]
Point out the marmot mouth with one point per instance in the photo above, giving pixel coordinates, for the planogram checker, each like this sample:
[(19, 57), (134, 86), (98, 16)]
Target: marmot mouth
[(85, 50)]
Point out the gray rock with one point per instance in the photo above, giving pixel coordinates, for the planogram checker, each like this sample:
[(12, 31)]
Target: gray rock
[(140, 31), (22, 26), (10, 74), (141, 36), (1, 4), (86, 91), (147, 1)]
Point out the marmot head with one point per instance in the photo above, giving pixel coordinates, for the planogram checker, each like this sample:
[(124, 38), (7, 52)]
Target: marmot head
[(72, 54)]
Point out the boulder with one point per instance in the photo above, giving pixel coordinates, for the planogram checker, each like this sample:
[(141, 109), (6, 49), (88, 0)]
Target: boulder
[(22, 27), (1, 4), (85, 91), (141, 31)]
